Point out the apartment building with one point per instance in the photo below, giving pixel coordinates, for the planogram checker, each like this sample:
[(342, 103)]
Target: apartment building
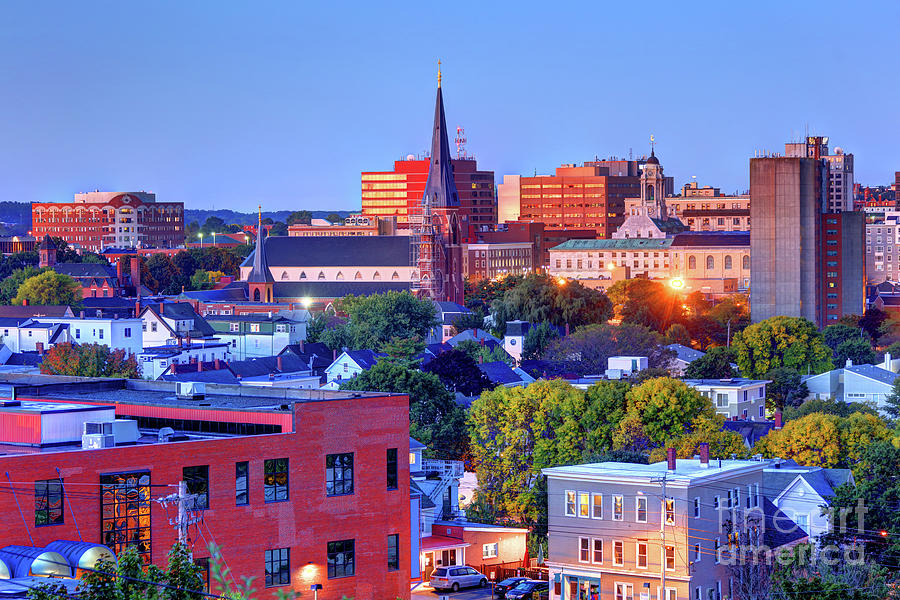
[(250, 336), (735, 398), (622, 531)]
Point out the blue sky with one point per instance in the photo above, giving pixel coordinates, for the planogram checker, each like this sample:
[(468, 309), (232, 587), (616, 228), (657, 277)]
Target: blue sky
[(231, 104)]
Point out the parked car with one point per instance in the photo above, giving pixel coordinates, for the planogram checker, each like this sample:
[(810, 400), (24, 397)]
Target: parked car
[(528, 590), (507, 584), (453, 578)]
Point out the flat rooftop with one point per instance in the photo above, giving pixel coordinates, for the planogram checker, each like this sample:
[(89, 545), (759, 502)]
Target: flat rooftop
[(686, 469)]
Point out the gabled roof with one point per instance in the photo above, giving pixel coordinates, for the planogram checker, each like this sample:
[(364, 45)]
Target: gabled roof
[(415, 490), (777, 481), (366, 359), (415, 444), (499, 372), (182, 311), (316, 355), (343, 251), (451, 307), (82, 270), (30, 311), (685, 353), (108, 302), (874, 373), (705, 239), (477, 335), (780, 529), (335, 289)]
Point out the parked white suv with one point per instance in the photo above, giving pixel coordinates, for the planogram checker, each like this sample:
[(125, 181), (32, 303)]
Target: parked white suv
[(453, 578)]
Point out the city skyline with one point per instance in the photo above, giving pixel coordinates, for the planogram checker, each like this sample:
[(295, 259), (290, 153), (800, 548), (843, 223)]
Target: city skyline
[(286, 108)]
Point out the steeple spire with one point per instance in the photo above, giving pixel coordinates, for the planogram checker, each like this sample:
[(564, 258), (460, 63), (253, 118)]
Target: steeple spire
[(260, 272), (440, 188), (439, 73)]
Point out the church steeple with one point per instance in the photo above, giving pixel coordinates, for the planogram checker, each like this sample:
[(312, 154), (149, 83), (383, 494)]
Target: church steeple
[(260, 281), (440, 189)]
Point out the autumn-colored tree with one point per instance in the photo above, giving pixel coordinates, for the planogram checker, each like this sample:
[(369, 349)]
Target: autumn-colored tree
[(89, 360), (781, 342), (49, 288), (825, 440)]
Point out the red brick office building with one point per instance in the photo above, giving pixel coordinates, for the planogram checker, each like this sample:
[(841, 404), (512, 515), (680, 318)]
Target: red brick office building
[(302, 487)]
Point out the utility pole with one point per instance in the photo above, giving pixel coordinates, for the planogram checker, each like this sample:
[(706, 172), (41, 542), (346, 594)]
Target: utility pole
[(662, 533), (185, 504)]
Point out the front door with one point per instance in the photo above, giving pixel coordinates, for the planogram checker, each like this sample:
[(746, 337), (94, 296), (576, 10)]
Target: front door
[(429, 565)]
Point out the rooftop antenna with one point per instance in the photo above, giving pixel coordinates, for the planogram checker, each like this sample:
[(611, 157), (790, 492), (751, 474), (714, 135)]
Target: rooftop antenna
[(461, 143)]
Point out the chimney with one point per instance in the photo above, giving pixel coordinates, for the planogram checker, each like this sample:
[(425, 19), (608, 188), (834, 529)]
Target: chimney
[(887, 361), (188, 340), (162, 307), (704, 455), (301, 346), (39, 346), (81, 314), (120, 272), (136, 274), (670, 459), (778, 421), (199, 365), (481, 359), (278, 362), (137, 307), (567, 329), (24, 301), (849, 363), (335, 354)]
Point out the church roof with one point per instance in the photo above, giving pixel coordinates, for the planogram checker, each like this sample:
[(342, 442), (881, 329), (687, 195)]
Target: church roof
[(338, 251), (440, 186)]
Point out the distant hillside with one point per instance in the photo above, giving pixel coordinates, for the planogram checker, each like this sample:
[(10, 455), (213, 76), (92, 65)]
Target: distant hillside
[(230, 216), (15, 218)]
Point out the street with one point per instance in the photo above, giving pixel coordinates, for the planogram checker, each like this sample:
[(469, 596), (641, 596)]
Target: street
[(426, 592)]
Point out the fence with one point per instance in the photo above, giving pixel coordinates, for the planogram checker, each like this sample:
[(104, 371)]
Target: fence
[(501, 571)]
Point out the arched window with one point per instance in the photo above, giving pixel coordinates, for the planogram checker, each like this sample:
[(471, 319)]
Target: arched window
[(692, 262), (284, 275), (302, 275), (727, 262), (745, 262), (376, 276), (395, 276), (256, 295), (358, 275), (710, 262), (321, 275), (339, 276)]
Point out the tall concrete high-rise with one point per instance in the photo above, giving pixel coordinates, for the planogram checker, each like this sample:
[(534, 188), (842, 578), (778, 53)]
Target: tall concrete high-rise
[(840, 169), (807, 257), (786, 201)]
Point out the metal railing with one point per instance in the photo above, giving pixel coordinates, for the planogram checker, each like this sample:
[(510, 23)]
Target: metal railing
[(451, 468)]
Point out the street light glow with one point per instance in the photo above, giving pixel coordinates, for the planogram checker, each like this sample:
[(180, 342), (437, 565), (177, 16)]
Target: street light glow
[(677, 283)]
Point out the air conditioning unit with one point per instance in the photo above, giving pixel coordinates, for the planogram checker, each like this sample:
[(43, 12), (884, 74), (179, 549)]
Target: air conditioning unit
[(190, 390), (95, 441), (119, 431)]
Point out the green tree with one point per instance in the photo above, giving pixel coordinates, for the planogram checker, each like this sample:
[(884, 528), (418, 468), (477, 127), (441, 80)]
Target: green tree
[(9, 286), (834, 335), (540, 298), (49, 288), (458, 372), (162, 268), (892, 402), (480, 295), (588, 349), (278, 229), (871, 322), (434, 417), (857, 350), (830, 577), (303, 217), (404, 351), (334, 218), (715, 364), (648, 303), (377, 319), (212, 225), (472, 320), (786, 388), (828, 406), (537, 339), (678, 334), (485, 353), (90, 360), (781, 342)]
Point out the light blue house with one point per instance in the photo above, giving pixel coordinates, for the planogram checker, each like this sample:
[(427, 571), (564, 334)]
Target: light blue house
[(853, 383)]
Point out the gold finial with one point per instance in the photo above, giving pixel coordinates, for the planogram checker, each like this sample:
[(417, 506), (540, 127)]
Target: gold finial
[(652, 143), (439, 73), (260, 214)]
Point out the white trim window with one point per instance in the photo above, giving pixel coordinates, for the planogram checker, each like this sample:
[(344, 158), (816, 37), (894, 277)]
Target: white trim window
[(696, 508), (640, 509), (570, 503), (490, 550), (584, 550), (618, 553), (624, 591), (716, 546), (698, 552), (749, 495), (596, 506), (669, 507), (716, 503), (641, 560), (669, 557), (597, 551), (584, 505), (618, 508)]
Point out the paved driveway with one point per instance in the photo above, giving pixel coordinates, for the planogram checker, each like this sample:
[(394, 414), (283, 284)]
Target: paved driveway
[(426, 592)]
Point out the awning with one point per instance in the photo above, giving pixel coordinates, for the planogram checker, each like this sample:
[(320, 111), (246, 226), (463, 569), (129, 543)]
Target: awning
[(442, 542)]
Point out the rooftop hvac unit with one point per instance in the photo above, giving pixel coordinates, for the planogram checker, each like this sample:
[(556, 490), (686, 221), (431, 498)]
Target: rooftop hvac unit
[(190, 390), (95, 441), (108, 434)]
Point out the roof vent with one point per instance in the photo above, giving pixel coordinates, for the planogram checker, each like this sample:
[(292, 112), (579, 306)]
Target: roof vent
[(190, 390), (165, 434)]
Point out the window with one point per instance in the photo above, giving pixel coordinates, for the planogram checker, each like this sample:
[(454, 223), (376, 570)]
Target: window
[(728, 261), (640, 509), (710, 262), (698, 552), (692, 262), (570, 503), (394, 552), (241, 483), (670, 511), (101, 334), (617, 508), (716, 550), (203, 566), (584, 506), (624, 591), (254, 327), (339, 474), (278, 567), (697, 508), (197, 480), (584, 549), (618, 553), (721, 400), (48, 502), (234, 327), (128, 332), (597, 506), (597, 556), (125, 512), (642, 555), (275, 482), (341, 559), (670, 558), (802, 521), (728, 501), (392, 468), (489, 550)]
